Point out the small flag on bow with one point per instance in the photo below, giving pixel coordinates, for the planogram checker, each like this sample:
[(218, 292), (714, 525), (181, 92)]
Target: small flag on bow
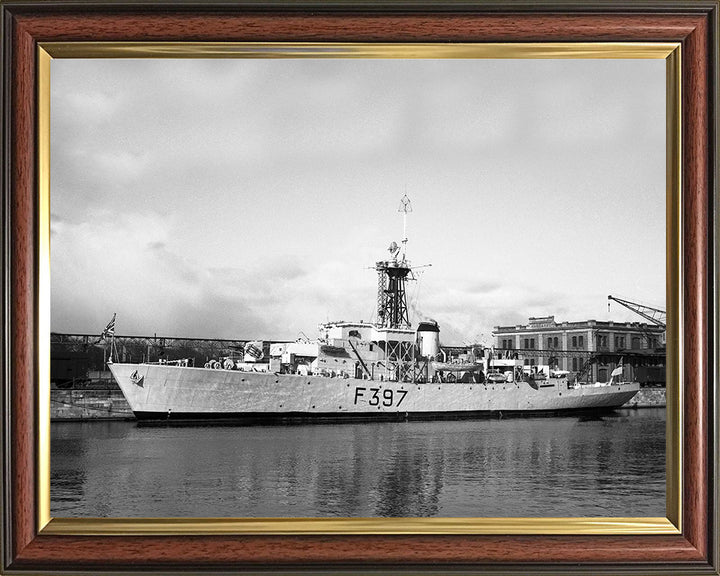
[(110, 328)]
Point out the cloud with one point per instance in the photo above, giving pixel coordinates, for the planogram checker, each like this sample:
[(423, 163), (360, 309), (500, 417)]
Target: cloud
[(117, 263), (224, 197), (463, 314), (131, 264), (88, 106), (483, 286)]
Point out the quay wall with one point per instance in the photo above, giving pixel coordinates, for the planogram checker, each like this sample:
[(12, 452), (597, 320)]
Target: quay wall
[(647, 398), (89, 405), (111, 404)]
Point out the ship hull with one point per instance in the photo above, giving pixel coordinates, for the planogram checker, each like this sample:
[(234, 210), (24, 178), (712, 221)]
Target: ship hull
[(163, 392)]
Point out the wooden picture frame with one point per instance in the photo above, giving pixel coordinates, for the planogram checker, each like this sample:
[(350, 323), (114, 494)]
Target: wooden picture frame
[(30, 546)]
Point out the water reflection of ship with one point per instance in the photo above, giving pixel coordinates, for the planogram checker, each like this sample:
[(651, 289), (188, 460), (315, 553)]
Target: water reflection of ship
[(525, 467), (68, 480), (358, 370)]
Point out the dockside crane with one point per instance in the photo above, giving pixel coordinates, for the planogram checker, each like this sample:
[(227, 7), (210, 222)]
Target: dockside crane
[(655, 315)]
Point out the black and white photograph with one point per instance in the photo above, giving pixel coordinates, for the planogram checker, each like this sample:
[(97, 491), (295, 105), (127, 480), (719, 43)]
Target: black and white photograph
[(358, 288)]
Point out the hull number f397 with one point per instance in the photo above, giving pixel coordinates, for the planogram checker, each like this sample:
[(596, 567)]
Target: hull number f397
[(377, 397)]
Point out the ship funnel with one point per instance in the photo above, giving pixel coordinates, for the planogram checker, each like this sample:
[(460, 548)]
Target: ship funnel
[(428, 339)]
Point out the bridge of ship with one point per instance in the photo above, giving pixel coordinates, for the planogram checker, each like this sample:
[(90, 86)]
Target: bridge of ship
[(380, 353)]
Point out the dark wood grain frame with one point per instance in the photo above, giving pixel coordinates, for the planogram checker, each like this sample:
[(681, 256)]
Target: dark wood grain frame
[(694, 24)]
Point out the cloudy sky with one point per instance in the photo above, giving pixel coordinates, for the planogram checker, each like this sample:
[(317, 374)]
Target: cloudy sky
[(247, 198)]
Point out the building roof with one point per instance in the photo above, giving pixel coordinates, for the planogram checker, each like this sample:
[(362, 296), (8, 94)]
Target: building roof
[(548, 324)]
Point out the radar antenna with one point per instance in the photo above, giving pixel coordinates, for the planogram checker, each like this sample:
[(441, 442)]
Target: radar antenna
[(405, 208)]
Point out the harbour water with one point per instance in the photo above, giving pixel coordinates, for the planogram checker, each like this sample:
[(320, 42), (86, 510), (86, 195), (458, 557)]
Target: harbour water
[(613, 465)]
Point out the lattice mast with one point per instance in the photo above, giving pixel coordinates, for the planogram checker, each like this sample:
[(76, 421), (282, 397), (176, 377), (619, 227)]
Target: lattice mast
[(392, 308)]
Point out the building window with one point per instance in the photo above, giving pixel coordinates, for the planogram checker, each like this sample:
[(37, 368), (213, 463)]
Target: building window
[(574, 341), (555, 342), (532, 342), (549, 344), (636, 343), (574, 364), (581, 341), (525, 344)]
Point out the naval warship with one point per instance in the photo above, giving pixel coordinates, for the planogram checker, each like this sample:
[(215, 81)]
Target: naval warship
[(361, 371)]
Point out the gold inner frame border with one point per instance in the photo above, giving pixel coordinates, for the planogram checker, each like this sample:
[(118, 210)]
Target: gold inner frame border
[(671, 524)]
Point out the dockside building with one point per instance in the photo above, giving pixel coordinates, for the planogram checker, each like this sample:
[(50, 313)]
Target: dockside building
[(591, 346)]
